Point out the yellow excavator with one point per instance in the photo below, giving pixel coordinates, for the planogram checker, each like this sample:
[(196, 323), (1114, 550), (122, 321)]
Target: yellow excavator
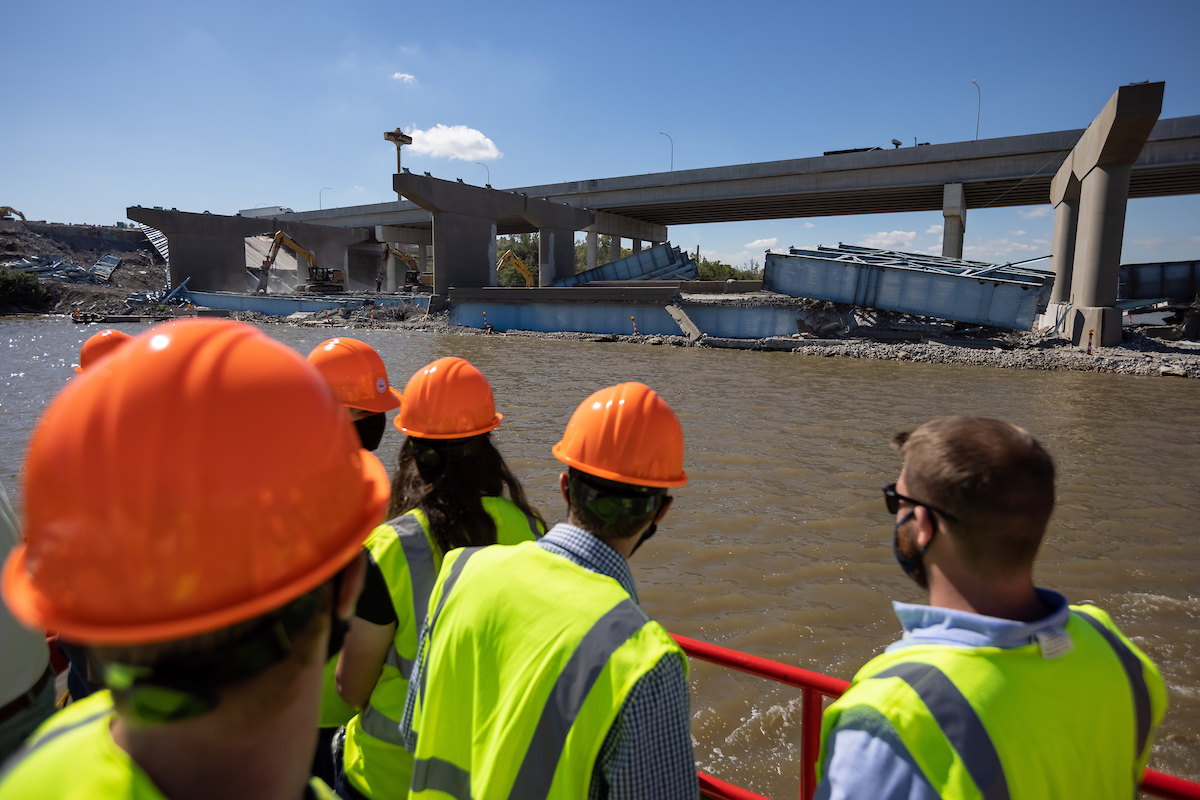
[(6, 211), (319, 278), (412, 275), (510, 257)]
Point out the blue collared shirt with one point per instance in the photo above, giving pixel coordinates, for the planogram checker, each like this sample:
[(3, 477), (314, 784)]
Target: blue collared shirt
[(648, 749), (875, 763)]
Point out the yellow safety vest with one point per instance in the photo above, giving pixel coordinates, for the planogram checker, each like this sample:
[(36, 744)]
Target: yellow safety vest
[(73, 756), (374, 758), (530, 657), (989, 723)]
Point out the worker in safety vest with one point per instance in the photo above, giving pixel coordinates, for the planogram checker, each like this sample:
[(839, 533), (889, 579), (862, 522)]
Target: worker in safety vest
[(448, 493), (539, 674), (998, 689), (209, 574), (359, 379), (80, 681)]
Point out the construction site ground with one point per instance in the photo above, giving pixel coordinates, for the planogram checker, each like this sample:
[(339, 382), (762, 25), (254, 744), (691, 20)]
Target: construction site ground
[(141, 269)]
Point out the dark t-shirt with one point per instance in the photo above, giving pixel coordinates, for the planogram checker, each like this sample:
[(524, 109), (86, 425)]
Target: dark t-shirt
[(375, 602)]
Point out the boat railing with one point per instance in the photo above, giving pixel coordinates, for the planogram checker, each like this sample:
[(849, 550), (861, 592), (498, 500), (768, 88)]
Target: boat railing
[(814, 687)]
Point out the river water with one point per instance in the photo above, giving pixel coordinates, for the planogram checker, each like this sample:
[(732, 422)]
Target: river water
[(779, 545)]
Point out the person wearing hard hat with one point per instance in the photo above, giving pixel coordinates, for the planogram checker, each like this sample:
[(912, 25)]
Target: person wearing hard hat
[(359, 378), (998, 689), (100, 345), (539, 675), (448, 493), (208, 587)]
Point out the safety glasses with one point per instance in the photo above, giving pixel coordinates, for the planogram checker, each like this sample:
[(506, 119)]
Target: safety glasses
[(893, 498)]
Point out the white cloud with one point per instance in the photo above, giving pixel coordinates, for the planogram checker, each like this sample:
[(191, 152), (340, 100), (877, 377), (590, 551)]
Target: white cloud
[(809, 225), (934, 230), (762, 244), (1037, 213), (996, 251), (453, 141), (1016, 233), (888, 241), (404, 77)]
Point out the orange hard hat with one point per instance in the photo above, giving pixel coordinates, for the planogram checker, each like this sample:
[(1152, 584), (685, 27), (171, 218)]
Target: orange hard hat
[(448, 399), (205, 476), (356, 373), (100, 345), (625, 433)]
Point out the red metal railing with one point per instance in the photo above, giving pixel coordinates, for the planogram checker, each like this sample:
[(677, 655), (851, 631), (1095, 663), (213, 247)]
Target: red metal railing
[(814, 686)]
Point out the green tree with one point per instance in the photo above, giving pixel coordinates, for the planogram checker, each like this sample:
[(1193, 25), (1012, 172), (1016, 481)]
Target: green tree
[(20, 290), (525, 247)]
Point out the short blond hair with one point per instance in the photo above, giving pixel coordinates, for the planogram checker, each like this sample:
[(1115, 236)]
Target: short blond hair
[(994, 477)]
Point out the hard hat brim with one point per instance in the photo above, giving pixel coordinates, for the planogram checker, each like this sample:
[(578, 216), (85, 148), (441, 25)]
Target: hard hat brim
[(37, 611), (495, 423), (558, 452), (389, 400)]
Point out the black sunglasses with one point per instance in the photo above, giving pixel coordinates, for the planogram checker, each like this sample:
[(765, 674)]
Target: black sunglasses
[(893, 498)]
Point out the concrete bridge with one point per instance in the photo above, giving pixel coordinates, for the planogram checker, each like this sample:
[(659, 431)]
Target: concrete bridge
[(1127, 152)]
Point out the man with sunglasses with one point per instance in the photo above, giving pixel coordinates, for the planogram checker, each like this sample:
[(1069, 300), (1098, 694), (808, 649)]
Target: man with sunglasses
[(538, 673), (998, 689)]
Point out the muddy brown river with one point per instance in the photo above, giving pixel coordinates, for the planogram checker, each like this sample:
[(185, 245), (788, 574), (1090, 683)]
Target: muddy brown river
[(779, 545)]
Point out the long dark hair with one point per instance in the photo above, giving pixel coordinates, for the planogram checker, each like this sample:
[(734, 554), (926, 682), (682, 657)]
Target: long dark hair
[(448, 479)]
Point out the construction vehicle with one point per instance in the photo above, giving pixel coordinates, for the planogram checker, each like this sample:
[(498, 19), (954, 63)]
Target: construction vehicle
[(412, 273), (510, 257), (319, 278), (6, 211), (323, 280)]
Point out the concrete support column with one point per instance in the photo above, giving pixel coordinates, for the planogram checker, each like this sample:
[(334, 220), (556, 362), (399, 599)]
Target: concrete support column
[(492, 259), (954, 211), (1103, 195), (461, 244), (390, 285), (556, 255), (637, 245), (614, 251), (593, 249), (1062, 251), (423, 257)]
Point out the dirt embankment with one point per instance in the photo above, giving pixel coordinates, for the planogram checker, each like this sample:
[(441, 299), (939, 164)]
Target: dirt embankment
[(142, 269)]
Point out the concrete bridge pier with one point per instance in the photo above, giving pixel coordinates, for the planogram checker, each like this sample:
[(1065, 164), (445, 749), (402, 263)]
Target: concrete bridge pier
[(1064, 196), (1086, 254), (954, 211), (593, 249)]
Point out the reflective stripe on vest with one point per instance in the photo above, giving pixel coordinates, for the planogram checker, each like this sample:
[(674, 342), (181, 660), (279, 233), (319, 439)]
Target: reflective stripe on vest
[(455, 571), (1137, 680), (441, 776), (958, 721), (570, 690)]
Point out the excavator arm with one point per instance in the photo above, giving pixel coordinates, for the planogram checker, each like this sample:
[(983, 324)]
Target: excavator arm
[(413, 268), (6, 211), (510, 257), (280, 240)]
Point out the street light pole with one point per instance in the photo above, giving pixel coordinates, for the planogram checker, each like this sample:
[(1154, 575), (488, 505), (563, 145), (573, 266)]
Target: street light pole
[(672, 141), (323, 188), (978, 108), (489, 173)]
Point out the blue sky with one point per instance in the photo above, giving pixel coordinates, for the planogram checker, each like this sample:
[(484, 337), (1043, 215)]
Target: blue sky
[(221, 106)]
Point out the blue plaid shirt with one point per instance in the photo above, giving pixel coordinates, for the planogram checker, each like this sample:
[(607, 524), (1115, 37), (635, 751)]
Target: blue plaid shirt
[(648, 750)]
